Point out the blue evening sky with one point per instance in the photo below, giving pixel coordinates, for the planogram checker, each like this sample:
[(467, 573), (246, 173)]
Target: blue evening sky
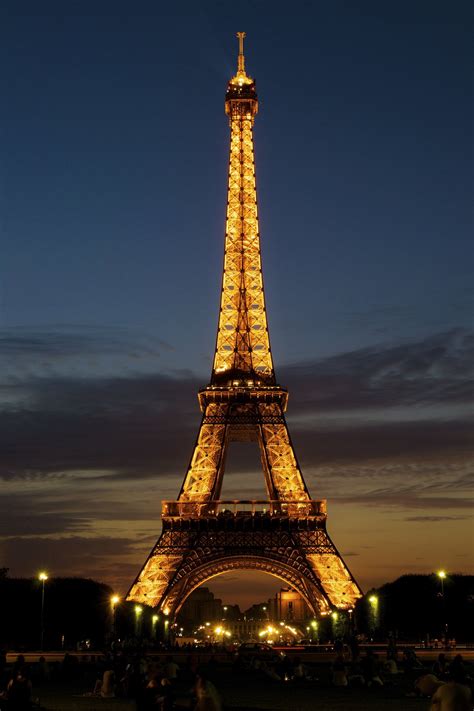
[(114, 145)]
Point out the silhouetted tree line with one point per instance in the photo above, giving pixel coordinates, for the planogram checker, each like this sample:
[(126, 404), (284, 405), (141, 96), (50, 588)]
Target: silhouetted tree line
[(75, 609), (414, 606), (78, 609)]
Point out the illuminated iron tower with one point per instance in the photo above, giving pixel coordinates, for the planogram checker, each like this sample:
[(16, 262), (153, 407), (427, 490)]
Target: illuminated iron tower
[(285, 535)]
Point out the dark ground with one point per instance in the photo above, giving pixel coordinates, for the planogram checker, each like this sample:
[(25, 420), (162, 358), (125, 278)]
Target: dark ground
[(244, 692), (241, 688)]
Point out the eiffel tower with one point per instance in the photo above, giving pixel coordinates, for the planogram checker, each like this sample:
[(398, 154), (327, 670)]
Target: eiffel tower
[(202, 535)]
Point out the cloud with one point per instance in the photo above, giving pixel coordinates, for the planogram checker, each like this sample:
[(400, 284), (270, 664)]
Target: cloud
[(435, 519), (38, 524), (79, 350), (128, 424), (395, 441), (90, 442), (435, 370), (400, 488), (107, 558), (139, 422)]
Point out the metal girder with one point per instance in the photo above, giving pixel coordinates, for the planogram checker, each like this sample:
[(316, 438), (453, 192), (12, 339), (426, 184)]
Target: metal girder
[(243, 343)]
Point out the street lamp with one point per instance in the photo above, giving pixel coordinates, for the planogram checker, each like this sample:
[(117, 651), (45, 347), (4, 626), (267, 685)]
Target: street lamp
[(350, 611), (42, 577), (114, 601), (138, 612), (154, 622), (441, 575), (374, 614)]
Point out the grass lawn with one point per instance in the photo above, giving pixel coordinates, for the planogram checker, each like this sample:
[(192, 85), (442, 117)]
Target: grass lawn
[(249, 693)]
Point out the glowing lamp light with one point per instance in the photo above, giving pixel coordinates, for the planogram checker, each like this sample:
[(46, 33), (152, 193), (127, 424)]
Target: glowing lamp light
[(441, 574), (373, 599), (138, 610), (114, 600), (334, 616), (43, 576), (155, 619)]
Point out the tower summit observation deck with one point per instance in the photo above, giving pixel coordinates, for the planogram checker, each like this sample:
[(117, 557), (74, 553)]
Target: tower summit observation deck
[(285, 535)]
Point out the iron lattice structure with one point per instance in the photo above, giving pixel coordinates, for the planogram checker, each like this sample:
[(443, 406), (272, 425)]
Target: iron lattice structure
[(286, 535)]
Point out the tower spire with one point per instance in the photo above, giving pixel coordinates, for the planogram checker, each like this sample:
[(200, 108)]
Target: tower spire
[(241, 58)]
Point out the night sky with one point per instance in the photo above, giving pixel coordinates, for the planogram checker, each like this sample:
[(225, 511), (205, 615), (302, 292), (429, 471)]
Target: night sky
[(114, 149)]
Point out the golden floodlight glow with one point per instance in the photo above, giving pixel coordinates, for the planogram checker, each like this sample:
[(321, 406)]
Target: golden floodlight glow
[(115, 600), (373, 599), (243, 402), (138, 610), (155, 619), (42, 576), (441, 574)]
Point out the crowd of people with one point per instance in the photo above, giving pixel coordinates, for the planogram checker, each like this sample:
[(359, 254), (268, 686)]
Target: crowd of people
[(151, 683), (165, 683), (447, 683), (154, 683)]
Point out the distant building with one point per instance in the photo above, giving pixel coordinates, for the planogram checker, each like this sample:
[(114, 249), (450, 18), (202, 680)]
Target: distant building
[(257, 612), (245, 630), (288, 606), (200, 607)]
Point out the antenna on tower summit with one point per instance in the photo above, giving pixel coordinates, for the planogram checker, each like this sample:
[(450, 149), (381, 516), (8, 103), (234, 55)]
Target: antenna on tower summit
[(241, 59)]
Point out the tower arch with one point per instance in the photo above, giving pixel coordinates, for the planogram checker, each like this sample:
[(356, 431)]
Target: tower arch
[(183, 586)]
